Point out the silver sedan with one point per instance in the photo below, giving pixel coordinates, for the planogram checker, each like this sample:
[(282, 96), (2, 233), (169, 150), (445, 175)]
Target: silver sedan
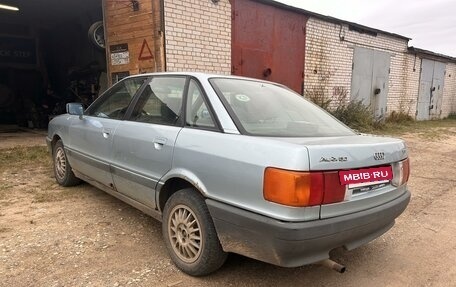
[(231, 164)]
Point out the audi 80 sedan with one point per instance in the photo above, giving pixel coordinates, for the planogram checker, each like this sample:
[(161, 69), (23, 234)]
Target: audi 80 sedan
[(233, 164)]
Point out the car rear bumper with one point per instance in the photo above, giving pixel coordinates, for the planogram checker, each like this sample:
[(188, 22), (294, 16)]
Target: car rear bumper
[(292, 244)]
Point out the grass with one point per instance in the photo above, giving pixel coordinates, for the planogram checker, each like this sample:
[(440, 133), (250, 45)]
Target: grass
[(5, 229), (16, 165), (40, 196), (360, 118), (433, 129), (5, 186), (4, 189), (20, 157), (50, 191), (15, 160)]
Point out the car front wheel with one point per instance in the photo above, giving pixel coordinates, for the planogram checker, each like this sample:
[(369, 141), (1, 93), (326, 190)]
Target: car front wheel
[(62, 170), (190, 235)]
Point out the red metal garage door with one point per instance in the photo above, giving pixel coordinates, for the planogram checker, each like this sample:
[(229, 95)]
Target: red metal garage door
[(268, 43)]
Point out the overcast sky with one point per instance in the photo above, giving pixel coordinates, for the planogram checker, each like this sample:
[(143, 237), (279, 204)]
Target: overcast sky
[(430, 23)]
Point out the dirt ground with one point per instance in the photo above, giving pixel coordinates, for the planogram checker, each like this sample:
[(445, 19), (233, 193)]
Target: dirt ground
[(53, 236), (22, 138)]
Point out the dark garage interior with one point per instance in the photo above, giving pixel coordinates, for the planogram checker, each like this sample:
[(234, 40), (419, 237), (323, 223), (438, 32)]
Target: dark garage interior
[(48, 59)]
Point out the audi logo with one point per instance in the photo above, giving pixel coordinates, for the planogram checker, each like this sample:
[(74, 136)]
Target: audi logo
[(379, 156)]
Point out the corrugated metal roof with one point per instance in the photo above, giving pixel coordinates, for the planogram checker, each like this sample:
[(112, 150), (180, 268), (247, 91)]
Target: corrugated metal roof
[(329, 18), (430, 54)]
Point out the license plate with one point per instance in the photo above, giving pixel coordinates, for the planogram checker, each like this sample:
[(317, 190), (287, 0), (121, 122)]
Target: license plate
[(366, 175)]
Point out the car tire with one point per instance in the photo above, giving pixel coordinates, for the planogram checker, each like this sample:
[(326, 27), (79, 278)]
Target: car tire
[(63, 172), (94, 36), (190, 235)]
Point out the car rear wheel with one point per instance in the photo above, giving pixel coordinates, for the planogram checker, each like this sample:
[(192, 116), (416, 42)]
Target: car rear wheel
[(190, 235), (62, 170)]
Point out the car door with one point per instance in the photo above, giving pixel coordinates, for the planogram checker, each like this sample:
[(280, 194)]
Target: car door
[(90, 144), (143, 145)]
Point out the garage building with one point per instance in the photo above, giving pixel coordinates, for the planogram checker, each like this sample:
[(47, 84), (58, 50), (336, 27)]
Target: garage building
[(313, 54), (47, 58)]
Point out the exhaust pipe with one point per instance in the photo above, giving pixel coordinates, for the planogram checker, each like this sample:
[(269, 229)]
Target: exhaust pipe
[(332, 265)]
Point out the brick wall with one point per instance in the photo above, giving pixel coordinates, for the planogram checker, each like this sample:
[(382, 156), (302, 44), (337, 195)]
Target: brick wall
[(198, 36), (328, 64), (412, 84), (449, 91)]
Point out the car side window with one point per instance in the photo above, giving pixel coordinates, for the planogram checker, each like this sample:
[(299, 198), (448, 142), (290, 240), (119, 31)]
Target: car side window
[(160, 102), (197, 112), (114, 104)]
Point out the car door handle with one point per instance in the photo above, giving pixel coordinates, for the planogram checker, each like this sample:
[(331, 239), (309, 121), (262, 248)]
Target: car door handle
[(159, 143), (106, 133)]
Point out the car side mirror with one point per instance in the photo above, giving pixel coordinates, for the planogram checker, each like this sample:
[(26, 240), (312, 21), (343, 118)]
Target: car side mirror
[(75, 109)]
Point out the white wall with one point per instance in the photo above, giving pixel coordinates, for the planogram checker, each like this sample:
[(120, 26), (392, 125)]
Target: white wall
[(198, 36), (449, 90)]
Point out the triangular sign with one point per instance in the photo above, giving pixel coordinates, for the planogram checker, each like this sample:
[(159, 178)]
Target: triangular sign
[(146, 53)]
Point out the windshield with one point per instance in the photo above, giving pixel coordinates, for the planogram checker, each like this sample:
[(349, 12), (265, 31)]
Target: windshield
[(266, 109)]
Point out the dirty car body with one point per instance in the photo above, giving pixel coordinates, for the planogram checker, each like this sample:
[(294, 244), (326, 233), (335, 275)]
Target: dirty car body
[(282, 181)]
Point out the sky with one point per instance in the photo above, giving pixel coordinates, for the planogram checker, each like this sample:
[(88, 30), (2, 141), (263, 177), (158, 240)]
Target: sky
[(430, 23)]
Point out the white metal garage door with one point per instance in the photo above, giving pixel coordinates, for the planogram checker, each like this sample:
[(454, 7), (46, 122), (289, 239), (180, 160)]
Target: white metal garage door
[(430, 95), (370, 79)]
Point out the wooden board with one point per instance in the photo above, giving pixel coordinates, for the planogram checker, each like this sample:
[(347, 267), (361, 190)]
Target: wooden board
[(140, 30)]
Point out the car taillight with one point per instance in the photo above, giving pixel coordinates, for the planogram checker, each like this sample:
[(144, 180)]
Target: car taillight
[(401, 172), (299, 189)]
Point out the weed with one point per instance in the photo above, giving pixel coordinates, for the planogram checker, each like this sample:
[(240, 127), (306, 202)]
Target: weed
[(355, 115), (399, 117), (319, 92), (318, 97)]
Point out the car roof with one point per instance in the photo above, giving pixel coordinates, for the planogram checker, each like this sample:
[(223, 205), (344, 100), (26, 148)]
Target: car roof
[(198, 75)]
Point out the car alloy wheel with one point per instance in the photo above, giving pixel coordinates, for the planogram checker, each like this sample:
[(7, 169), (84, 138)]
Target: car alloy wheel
[(60, 163), (185, 233), (62, 170), (190, 235)]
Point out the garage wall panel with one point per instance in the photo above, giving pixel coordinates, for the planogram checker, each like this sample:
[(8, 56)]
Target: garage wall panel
[(268, 43), (370, 77)]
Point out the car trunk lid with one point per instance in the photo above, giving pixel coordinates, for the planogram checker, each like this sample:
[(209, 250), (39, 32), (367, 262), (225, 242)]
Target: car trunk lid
[(348, 152), (354, 154)]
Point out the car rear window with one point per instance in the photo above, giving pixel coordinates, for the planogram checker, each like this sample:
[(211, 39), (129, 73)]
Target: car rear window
[(267, 109)]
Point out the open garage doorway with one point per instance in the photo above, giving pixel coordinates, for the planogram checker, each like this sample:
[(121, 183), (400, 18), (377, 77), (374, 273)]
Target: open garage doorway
[(47, 58)]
